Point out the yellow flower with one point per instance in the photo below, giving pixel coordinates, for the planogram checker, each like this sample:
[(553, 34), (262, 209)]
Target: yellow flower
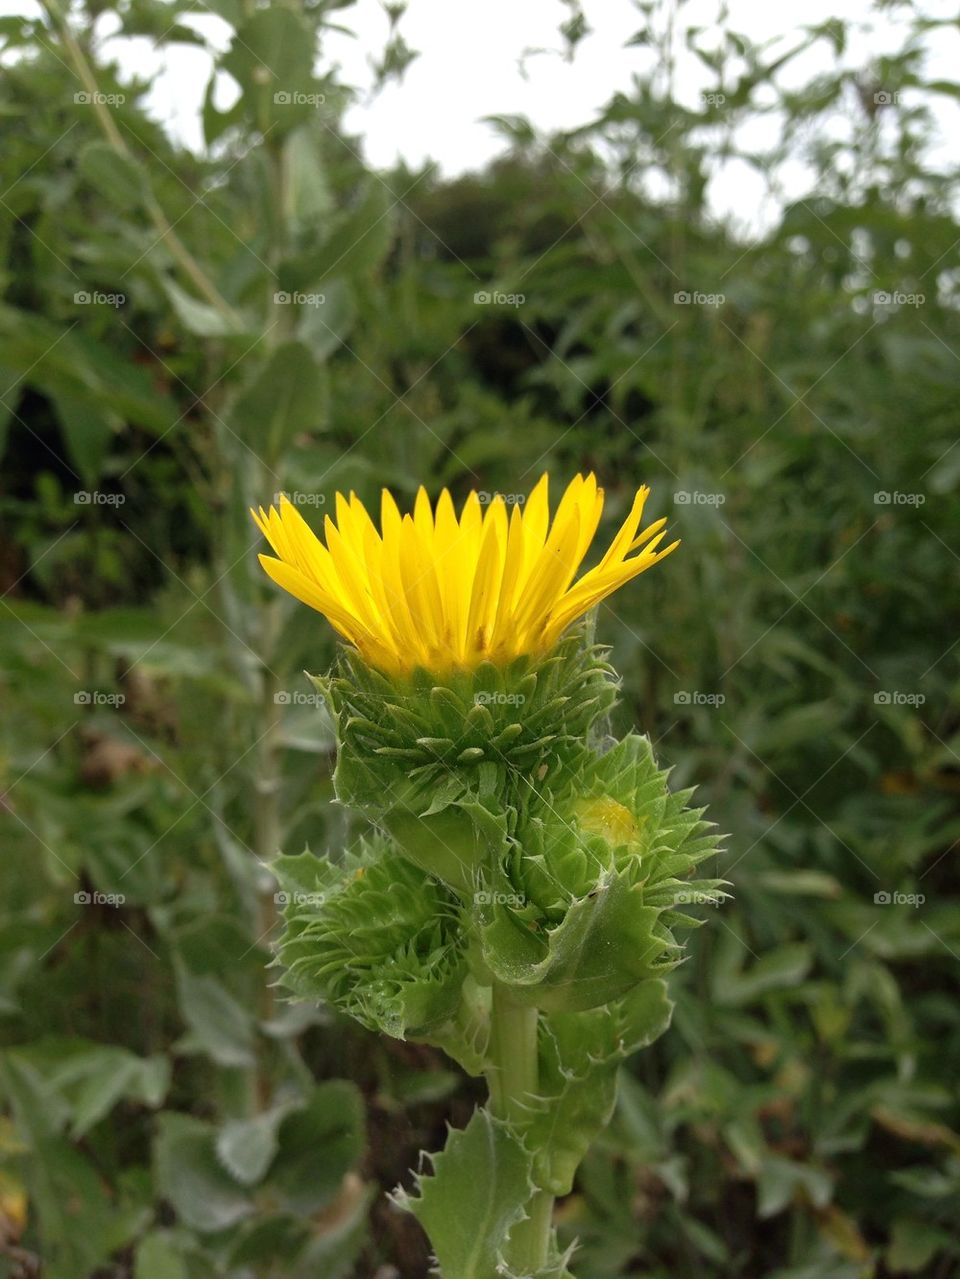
[(606, 816), (434, 591)]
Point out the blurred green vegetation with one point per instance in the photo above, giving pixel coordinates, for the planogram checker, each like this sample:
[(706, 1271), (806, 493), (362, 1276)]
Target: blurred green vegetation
[(182, 336)]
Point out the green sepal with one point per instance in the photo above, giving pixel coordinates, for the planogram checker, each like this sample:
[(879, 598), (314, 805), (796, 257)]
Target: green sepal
[(473, 1197), (374, 936), (580, 1055)]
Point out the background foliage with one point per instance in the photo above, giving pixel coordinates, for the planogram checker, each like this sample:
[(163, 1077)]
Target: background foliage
[(165, 1117)]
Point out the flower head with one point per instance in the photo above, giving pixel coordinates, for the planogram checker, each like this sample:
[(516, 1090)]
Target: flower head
[(436, 591)]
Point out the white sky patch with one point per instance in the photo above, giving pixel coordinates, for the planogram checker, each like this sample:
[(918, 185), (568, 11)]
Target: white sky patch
[(476, 59)]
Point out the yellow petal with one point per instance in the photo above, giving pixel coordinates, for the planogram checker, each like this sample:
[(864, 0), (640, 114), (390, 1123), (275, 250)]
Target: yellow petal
[(433, 590)]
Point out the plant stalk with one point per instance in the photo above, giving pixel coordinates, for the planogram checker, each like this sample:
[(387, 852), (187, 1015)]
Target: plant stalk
[(513, 1078)]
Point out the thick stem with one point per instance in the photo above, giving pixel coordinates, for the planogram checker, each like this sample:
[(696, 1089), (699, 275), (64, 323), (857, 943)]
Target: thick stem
[(514, 1078), (513, 1045), (268, 777), (530, 1240), (268, 827)]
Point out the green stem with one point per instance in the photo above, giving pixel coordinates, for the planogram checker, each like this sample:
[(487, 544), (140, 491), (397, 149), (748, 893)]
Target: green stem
[(513, 1078), (530, 1240)]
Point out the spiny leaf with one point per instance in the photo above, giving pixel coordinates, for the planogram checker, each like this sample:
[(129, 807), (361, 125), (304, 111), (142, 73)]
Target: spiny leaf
[(473, 1197)]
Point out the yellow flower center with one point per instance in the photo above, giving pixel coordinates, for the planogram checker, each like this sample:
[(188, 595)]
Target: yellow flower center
[(605, 816)]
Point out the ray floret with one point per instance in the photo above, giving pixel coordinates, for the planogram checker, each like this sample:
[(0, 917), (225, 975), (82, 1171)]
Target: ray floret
[(442, 592)]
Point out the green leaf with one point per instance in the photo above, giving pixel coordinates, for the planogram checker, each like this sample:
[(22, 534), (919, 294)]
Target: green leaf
[(356, 247), (580, 1056), (201, 317), (603, 947), (113, 174), (189, 1174), (299, 1248), (783, 968), (219, 1025), (268, 1243), (87, 428), (333, 1252), (246, 1147), (318, 1145), (73, 361), (77, 1220), (39, 1109), (914, 1244), (308, 194), (474, 1196), (802, 883), (286, 397), (271, 58), (111, 1074), (159, 1258), (325, 328), (779, 1180), (216, 122), (447, 843), (515, 129), (231, 11)]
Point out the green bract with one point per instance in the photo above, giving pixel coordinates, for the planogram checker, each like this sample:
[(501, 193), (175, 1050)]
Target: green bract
[(518, 907), (487, 728), (375, 937)]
